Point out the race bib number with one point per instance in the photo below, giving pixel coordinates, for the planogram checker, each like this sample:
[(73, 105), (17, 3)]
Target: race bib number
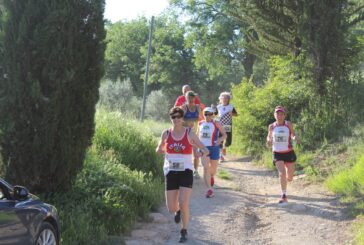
[(176, 165), (227, 128), (206, 136), (280, 138)]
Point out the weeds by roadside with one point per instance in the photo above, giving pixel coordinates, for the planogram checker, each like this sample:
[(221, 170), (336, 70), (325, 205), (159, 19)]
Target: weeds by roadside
[(223, 174), (121, 181)]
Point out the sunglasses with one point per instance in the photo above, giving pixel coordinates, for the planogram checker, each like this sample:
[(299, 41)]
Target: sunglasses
[(176, 116), (208, 114)]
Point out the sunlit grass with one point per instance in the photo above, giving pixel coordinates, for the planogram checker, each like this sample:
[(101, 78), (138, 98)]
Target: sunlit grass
[(223, 174)]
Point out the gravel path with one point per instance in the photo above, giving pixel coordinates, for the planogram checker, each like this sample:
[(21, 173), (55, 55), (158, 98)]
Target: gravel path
[(245, 211)]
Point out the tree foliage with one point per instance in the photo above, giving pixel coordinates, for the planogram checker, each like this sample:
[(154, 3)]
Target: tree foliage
[(320, 27), (171, 61), (218, 38), (124, 53), (53, 61)]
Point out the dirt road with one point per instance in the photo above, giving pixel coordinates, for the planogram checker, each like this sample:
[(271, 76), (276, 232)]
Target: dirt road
[(245, 211)]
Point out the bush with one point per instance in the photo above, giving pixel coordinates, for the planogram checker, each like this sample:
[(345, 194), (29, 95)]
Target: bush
[(107, 196), (106, 199), (349, 182), (315, 118), (119, 96), (255, 105), (129, 145), (157, 106)]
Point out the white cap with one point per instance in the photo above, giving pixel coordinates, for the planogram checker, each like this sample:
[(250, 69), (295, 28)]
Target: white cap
[(223, 94), (208, 109)]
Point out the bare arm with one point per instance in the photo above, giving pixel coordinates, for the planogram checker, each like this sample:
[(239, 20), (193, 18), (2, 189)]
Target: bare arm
[(293, 135), (161, 145), (198, 108), (234, 112), (222, 131), (269, 136), (194, 140)]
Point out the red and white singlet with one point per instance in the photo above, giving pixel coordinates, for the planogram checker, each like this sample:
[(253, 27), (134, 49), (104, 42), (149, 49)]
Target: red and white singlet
[(178, 155)]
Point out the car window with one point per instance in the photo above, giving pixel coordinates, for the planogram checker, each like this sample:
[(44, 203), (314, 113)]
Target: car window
[(2, 195)]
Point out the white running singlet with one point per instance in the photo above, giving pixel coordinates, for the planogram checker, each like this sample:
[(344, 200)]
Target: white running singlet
[(281, 138), (208, 133)]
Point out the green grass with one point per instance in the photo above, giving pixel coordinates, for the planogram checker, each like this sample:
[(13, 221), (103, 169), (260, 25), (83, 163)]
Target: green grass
[(121, 181), (106, 199), (223, 174), (132, 143), (327, 160)]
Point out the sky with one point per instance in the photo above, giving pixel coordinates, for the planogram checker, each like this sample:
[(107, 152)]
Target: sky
[(116, 10)]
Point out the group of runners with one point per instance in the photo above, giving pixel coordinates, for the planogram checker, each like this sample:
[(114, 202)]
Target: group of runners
[(202, 134)]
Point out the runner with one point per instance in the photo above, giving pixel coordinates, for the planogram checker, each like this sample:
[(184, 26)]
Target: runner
[(279, 138), (191, 115), (181, 100), (225, 113), (176, 143), (208, 132)]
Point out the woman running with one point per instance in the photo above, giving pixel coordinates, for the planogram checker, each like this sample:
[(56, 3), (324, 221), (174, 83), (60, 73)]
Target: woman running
[(279, 138), (176, 143), (226, 111), (191, 115), (209, 131)]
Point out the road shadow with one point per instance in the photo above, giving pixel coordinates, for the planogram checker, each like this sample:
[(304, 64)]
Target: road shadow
[(326, 206)]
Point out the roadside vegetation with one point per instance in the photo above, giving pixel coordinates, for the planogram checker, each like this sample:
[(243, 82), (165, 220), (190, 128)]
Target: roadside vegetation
[(71, 86), (223, 174), (121, 182)]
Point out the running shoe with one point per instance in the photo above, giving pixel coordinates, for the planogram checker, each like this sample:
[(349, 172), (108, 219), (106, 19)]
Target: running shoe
[(196, 175), (283, 199), (209, 193), (212, 181), (177, 216), (183, 236)]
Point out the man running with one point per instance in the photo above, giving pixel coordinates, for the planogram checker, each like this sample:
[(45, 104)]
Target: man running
[(181, 100), (279, 138), (208, 132), (225, 113), (176, 143)]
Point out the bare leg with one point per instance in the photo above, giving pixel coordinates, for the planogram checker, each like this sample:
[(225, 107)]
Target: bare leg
[(224, 151), (195, 159), (213, 167), (195, 163), (206, 171), (172, 200), (290, 170), (282, 175), (184, 204)]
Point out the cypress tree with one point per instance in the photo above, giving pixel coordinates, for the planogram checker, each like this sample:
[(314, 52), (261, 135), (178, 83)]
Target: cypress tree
[(53, 62)]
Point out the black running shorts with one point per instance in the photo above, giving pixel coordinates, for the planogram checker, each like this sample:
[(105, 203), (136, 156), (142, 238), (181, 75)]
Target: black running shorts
[(227, 142), (285, 157), (177, 179)]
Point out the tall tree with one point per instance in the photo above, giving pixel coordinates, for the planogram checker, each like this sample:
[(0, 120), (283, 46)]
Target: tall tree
[(171, 62), (53, 60), (218, 38), (124, 55), (319, 27)]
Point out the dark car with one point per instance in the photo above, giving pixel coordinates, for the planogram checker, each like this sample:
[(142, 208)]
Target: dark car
[(25, 219)]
